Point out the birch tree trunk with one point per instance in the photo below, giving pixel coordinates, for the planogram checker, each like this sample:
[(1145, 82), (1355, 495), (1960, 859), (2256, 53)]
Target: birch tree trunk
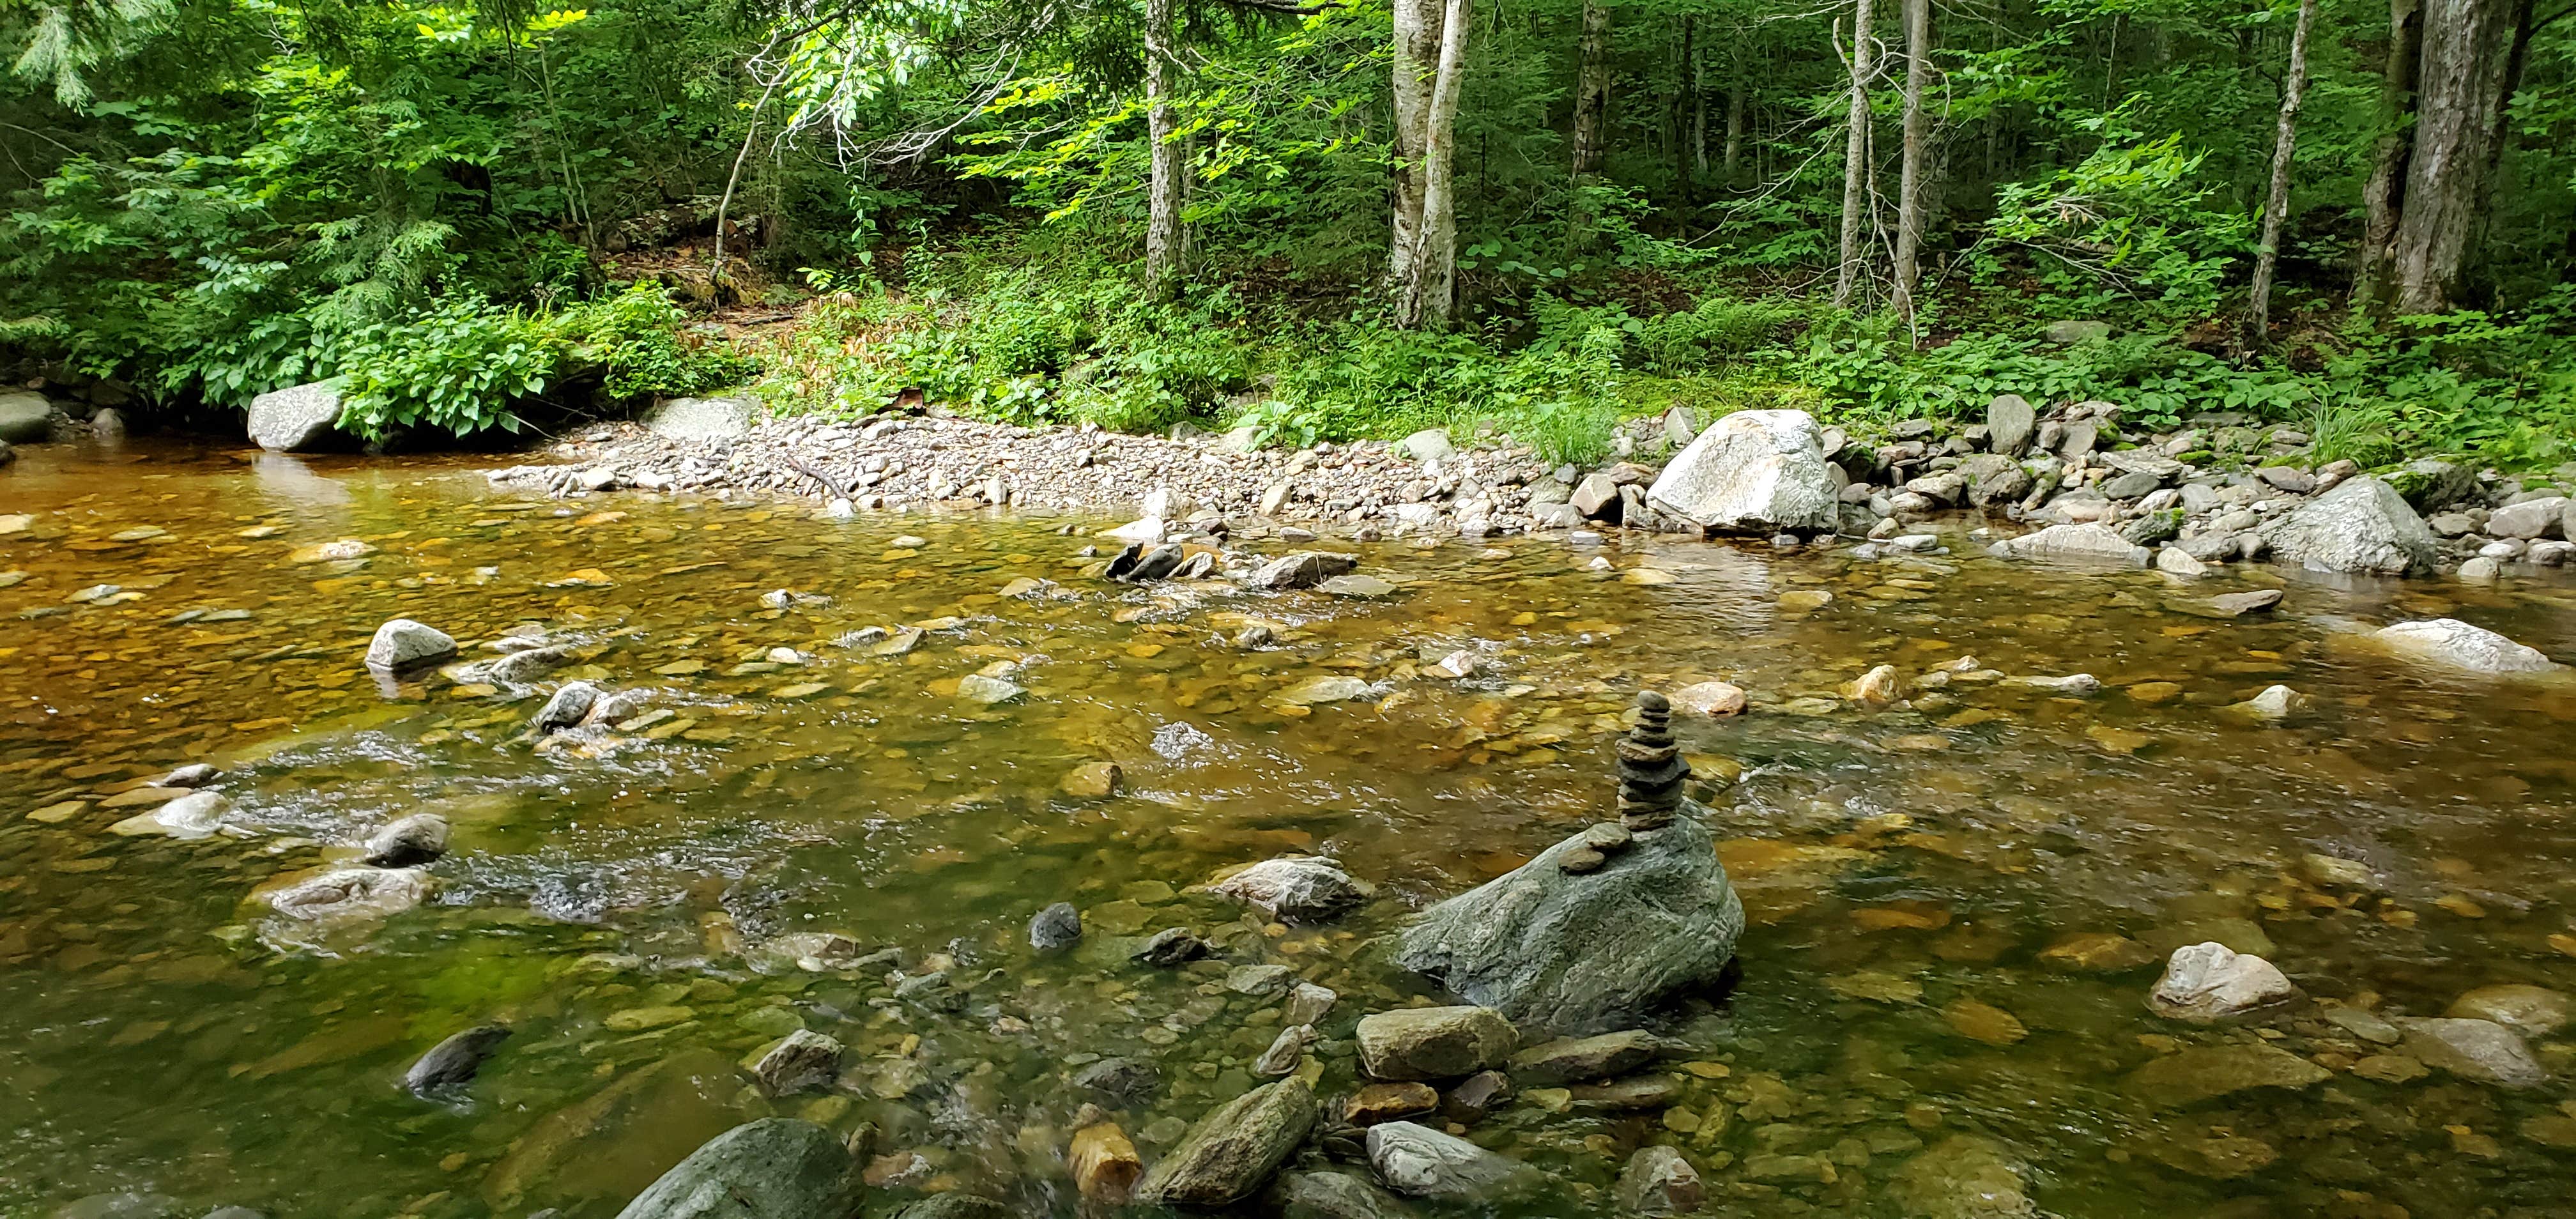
[(1734, 132), (2383, 194), (2276, 206), (1592, 90), (1855, 159), (1910, 206), (1417, 51), (1163, 188), (1698, 113), (2460, 83), (1431, 290)]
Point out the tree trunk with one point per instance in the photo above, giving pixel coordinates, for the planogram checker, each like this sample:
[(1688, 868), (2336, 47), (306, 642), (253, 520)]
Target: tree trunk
[(2460, 82), (1685, 112), (1592, 90), (1734, 133), (1698, 114), (2383, 195), (1855, 158), (1163, 190), (1909, 185), (1417, 51), (1431, 292), (2276, 206)]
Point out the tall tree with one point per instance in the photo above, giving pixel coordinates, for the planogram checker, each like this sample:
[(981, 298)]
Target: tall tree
[(1592, 90), (1163, 235), (2383, 193), (1910, 207), (1417, 53), (2276, 205), (1431, 285), (2467, 59), (1855, 158)]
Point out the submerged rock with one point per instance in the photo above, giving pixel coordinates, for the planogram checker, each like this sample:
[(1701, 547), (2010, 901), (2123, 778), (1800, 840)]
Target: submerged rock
[(1104, 1163), (1416, 1043), (1171, 946), (1120, 1081), (2363, 525), (803, 1059), (1424, 1163), (2206, 1072), (1658, 1181), (192, 816), (2207, 982), (1301, 569), (774, 1168), (417, 839), (1057, 926), (1295, 888), (2456, 644), (1964, 1176), (1578, 1059), (1330, 1195), (2482, 1051), (1234, 1150), (403, 643), (570, 705), (2533, 1011), (343, 894), (454, 1062), (2075, 543), (1752, 471)]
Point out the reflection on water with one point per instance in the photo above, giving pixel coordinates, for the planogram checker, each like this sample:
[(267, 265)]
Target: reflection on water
[(1957, 902)]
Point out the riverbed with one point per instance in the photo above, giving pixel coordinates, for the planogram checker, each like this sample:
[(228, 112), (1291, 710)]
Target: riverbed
[(1957, 902)]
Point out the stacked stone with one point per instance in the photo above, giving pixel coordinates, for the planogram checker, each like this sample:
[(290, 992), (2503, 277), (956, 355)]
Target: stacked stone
[(1651, 770)]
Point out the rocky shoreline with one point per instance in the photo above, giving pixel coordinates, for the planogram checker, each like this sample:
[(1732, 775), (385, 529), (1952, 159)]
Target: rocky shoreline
[(2065, 483)]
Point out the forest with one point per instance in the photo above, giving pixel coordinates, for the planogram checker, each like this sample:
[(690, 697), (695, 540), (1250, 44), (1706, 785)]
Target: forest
[(1324, 219)]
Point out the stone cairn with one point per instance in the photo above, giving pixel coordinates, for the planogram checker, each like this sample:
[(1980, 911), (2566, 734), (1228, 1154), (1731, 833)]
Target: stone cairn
[(1651, 774)]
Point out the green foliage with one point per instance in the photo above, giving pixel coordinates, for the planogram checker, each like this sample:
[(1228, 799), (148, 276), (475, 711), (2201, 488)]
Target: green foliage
[(456, 365), (637, 338)]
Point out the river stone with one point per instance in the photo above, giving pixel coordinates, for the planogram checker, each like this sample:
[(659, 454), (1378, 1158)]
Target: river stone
[(121, 1206), (2451, 642), (2533, 1011), (8, 453), (1330, 1195), (2532, 518), (1751, 472), (1233, 1151), (1169, 947), (1574, 954), (1579, 1059), (2077, 543), (1712, 698), (1964, 1176), (1295, 888), (616, 1141), (774, 1168), (1424, 1163), (453, 1063), (955, 1204), (195, 815), (803, 1059), (1429, 444), (25, 417), (2009, 423), (570, 705), (2204, 1072), (1286, 1051), (414, 840), (702, 418), (344, 894), (1658, 1181), (1121, 1081), (403, 643), (1434, 1042), (2479, 1050), (295, 418), (990, 691), (2208, 982), (2363, 525), (1301, 569), (1057, 926), (1307, 1003)]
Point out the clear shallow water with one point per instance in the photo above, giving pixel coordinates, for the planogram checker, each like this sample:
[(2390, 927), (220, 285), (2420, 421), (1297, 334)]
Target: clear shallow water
[(1907, 871)]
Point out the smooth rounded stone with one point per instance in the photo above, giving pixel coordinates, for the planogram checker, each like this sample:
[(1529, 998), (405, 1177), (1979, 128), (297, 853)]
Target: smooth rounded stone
[(198, 814), (1169, 947), (1233, 1151), (414, 840), (403, 643), (295, 418), (1092, 781), (1308, 1003), (1286, 1051), (773, 1168), (2074, 543), (1429, 444), (2206, 1072), (1121, 1081), (1582, 861), (2363, 525), (1641, 1092), (1587, 953), (1757, 472), (2273, 703), (2458, 645), (345, 894), (990, 691), (1580, 1059), (2532, 518), (2072, 683), (1880, 687), (1104, 1163), (702, 418), (2207, 982), (570, 705), (2237, 605), (1419, 1043), (2532, 1011), (1659, 1181), (1330, 1195), (801, 1061), (2480, 570), (2365, 1024), (1384, 1102), (2010, 421), (2481, 1051), (2336, 872), (195, 774), (1418, 1161), (1260, 980), (453, 1063), (1057, 926), (1295, 888), (1358, 587), (1711, 698), (2175, 561)]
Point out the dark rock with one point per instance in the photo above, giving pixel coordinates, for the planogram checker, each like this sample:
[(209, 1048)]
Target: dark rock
[(954, 1205), (1121, 1081), (1575, 1059), (774, 1168), (804, 1059), (1642, 1092), (1475, 1096), (1302, 569), (569, 706), (414, 840), (1234, 1150), (1330, 1195), (1057, 926), (1171, 946), (452, 1063)]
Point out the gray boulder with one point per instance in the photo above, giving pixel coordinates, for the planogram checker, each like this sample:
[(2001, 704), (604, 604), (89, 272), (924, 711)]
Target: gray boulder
[(403, 643), (1578, 1059), (1415, 1043), (1425, 1163), (702, 418), (2009, 424), (2075, 543), (417, 839), (774, 1168), (1234, 1150), (1592, 951), (804, 1059), (1057, 926), (1751, 472), (297, 417), (2455, 644), (570, 705), (2479, 1050), (1330, 1195), (1429, 444), (1658, 1181), (1302, 569), (1296, 888), (25, 417), (454, 1062), (2363, 525), (2428, 483)]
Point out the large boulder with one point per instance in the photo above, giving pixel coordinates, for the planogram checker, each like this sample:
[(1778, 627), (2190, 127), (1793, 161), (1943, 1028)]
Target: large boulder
[(1752, 471), (2455, 644), (25, 417), (297, 417), (1235, 1149), (774, 1168), (2363, 525), (404, 644), (1587, 951), (702, 418), (2478, 1050), (2009, 424), (2428, 483), (1296, 888)]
